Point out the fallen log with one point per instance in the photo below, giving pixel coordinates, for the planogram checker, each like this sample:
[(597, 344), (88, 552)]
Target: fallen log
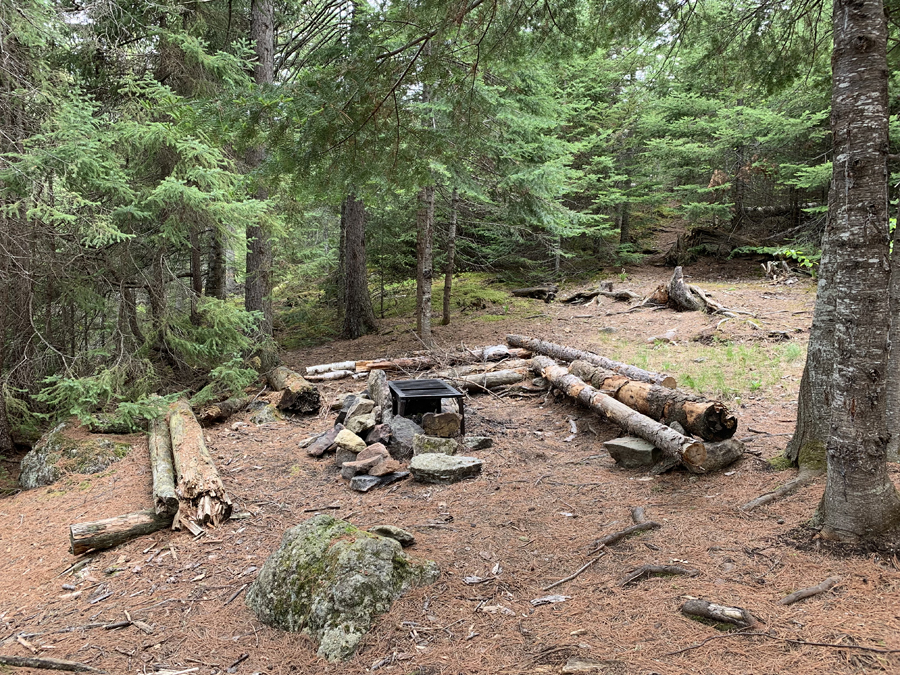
[(564, 353), (111, 532), (684, 297), (804, 593), (672, 444), (161, 465), (422, 362), (47, 664), (710, 420), (330, 367), (736, 616), (297, 395), (331, 375), (201, 495), (482, 381), (216, 412), (473, 368), (545, 293)]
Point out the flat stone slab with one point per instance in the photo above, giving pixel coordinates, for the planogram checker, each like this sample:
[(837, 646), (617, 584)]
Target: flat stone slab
[(364, 483), (445, 424), (423, 444), (473, 443), (393, 532), (632, 453), (434, 467), (324, 442)]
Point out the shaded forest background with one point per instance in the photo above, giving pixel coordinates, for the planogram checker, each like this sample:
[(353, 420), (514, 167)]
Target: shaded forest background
[(186, 186)]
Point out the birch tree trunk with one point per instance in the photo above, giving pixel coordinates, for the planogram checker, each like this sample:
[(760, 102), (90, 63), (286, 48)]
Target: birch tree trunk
[(860, 501)]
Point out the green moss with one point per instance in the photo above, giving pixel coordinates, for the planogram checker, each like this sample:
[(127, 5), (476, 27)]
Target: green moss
[(812, 456), (781, 463)]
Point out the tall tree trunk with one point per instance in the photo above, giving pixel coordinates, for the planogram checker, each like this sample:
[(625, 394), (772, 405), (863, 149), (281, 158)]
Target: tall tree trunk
[(860, 501), (451, 256), (893, 374), (196, 275), (624, 223), (359, 317), (258, 286), (424, 271), (216, 267)]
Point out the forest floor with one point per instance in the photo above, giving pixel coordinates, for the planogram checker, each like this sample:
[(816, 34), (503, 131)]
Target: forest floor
[(526, 522)]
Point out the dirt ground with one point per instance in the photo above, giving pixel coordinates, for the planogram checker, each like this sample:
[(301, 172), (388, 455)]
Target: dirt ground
[(528, 521)]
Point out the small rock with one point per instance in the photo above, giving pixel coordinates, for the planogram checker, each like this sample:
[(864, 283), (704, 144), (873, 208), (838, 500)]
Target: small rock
[(266, 415), (380, 434), (364, 483), (359, 466), (631, 453), (324, 442), (392, 532), (347, 440), (349, 401), (374, 450), (540, 382), (677, 427), (423, 444), (473, 443), (385, 466), (435, 467), (392, 478), (360, 424), (403, 432), (362, 406), (444, 425)]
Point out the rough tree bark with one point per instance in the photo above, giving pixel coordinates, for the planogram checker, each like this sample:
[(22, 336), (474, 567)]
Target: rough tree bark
[(860, 501), (451, 256), (424, 264), (893, 374), (359, 317), (258, 285)]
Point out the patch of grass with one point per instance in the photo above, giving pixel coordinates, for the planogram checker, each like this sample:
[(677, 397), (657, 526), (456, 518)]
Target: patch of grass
[(781, 463)]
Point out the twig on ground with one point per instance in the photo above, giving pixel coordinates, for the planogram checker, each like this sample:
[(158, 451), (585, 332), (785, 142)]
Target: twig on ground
[(769, 636), (647, 571), (236, 593), (804, 593), (575, 574), (611, 539)]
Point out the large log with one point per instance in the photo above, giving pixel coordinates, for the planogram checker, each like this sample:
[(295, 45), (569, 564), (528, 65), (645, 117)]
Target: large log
[(161, 464), (47, 664), (710, 420), (201, 494), (483, 381), (672, 444), (297, 395), (422, 362), (564, 353), (111, 532), (216, 412), (545, 293)]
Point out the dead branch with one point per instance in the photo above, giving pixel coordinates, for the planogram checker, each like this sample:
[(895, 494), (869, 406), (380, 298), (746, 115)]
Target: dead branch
[(737, 616), (47, 664), (610, 539), (574, 574), (804, 593), (647, 571), (803, 477)]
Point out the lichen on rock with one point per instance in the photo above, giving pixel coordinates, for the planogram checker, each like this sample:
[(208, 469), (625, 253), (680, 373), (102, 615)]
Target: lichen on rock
[(57, 453), (330, 580)]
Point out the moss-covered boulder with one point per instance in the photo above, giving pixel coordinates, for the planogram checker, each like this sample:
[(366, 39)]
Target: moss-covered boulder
[(330, 580), (58, 453)]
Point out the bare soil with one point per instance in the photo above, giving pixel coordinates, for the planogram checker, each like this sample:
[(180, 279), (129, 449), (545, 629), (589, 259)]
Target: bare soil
[(528, 521)]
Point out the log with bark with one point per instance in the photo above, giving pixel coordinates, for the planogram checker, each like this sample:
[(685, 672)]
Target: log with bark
[(297, 395), (201, 495), (564, 353), (111, 532), (546, 293), (710, 420), (671, 443), (482, 381), (413, 363), (47, 664), (161, 465), (685, 297), (737, 616), (217, 412)]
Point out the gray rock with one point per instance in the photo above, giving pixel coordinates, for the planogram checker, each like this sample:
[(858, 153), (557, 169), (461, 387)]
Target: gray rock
[(378, 390), (423, 444), (445, 424), (364, 483), (330, 581), (403, 432), (363, 406), (473, 443), (392, 478), (266, 415), (677, 427), (324, 442), (380, 434), (360, 424), (437, 468), (632, 453), (540, 382), (55, 454), (405, 538), (349, 401)]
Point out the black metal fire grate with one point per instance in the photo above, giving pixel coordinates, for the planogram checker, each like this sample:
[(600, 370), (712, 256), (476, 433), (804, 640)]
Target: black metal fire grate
[(413, 397)]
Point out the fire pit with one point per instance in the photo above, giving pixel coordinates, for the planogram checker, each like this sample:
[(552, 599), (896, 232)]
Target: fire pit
[(412, 397)]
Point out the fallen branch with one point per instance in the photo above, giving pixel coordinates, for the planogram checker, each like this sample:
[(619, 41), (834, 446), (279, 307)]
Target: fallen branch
[(574, 574), (610, 539), (688, 451), (769, 636), (568, 354), (111, 532), (737, 616), (212, 414), (647, 571), (803, 477), (804, 593), (47, 664)]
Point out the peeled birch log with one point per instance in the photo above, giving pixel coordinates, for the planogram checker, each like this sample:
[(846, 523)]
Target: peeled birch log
[(201, 494), (422, 362), (297, 395), (564, 353), (329, 367), (672, 444), (330, 375), (164, 498), (710, 420), (114, 531), (217, 412)]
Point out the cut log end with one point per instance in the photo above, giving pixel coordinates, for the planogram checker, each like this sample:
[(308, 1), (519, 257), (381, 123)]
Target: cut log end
[(693, 455)]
